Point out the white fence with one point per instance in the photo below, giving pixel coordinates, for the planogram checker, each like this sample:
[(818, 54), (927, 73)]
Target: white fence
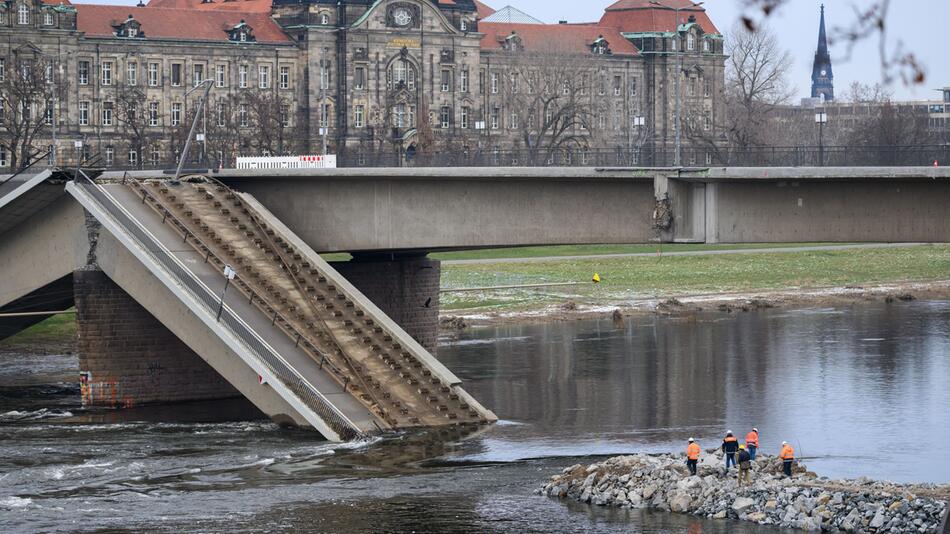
[(288, 162)]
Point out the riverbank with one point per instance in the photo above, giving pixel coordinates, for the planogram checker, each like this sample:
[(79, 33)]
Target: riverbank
[(805, 501), (684, 284)]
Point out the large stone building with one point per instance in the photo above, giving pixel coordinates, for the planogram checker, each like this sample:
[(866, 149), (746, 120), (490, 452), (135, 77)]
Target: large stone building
[(376, 81)]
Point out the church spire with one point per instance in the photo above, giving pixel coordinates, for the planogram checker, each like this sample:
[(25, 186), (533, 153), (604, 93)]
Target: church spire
[(822, 77)]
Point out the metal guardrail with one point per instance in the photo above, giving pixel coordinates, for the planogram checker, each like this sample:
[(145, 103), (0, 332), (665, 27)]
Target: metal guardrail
[(289, 376)]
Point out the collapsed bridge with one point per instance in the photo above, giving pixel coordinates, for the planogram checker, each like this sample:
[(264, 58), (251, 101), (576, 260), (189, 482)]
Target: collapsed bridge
[(288, 332)]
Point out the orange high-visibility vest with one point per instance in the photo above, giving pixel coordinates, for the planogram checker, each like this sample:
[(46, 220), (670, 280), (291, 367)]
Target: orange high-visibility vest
[(692, 452), (730, 439), (788, 453), (752, 438)]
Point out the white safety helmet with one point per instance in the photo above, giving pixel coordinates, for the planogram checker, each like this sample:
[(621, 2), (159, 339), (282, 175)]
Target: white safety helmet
[(691, 440), (728, 431), (755, 429), (784, 443)]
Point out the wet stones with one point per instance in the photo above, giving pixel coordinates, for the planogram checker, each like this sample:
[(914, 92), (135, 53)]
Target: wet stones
[(805, 502)]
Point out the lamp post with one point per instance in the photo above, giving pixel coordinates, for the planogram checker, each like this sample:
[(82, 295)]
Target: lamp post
[(820, 119), (206, 85), (677, 147)]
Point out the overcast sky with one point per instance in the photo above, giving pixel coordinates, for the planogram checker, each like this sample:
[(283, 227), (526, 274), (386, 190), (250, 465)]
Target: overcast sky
[(917, 23)]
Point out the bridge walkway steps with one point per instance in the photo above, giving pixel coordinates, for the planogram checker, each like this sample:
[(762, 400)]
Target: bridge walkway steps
[(252, 335), (358, 348)]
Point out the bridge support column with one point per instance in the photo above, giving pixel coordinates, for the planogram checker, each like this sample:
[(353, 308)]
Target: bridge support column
[(128, 357), (404, 287)]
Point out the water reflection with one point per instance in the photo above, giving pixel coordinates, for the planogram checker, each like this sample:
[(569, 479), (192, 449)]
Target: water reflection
[(863, 388)]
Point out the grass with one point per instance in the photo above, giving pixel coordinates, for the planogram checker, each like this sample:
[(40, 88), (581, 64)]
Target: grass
[(638, 277), (59, 328)]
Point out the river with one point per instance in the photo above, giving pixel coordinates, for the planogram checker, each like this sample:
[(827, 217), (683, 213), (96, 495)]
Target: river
[(861, 390)]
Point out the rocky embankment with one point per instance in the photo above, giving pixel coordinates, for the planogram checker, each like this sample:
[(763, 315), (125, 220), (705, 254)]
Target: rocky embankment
[(662, 482)]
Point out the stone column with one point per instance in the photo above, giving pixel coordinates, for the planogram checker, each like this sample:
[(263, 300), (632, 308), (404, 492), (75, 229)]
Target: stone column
[(404, 286), (128, 358)]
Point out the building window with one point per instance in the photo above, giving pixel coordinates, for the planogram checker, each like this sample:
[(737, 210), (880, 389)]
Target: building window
[(3, 156), (707, 87), (176, 113), (84, 113), (110, 155), (445, 117), (176, 74), (220, 75), (513, 83), (3, 69), (133, 71), (106, 78), (107, 110), (23, 14), (463, 80), (285, 77), (242, 116), (463, 25), (83, 73), (463, 118), (358, 116), (263, 77), (220, 114), (494, 117), (156, 157), (446, 80), (153, 113), (324, 19), (284, 116), (673, 44), (324, 74), (198, 74), (494, 83), (133, 157), (707, 121), (359, 78), (690, 42), (242, 76), (705, 46), (48, 115), (153, 74), (402, 73), (618, 85), (48, 18), (324, 115)]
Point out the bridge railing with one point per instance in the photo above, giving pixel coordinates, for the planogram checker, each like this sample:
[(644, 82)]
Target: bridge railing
[(289, 376)]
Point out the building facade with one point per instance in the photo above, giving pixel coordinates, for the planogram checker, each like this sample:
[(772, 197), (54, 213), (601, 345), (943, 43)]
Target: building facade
[(374, 81)]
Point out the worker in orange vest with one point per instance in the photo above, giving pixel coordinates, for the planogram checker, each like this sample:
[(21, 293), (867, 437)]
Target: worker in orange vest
[(752, 442), (692, 456), (730, 447), (788, 456)]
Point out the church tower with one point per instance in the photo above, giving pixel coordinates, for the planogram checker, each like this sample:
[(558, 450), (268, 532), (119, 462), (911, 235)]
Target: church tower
[(822, 78)]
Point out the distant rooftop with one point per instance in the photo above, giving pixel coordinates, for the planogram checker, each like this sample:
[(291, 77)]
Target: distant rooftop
[(510, 15)]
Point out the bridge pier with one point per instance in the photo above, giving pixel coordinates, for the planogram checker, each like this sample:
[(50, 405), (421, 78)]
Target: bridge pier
[(128, 358), (404, 286)]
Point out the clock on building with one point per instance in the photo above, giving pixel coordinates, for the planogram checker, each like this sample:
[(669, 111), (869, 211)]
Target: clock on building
[(824, 72), (402, 16)]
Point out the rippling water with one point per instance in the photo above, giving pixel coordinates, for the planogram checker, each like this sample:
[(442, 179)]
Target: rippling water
[(863, 390)]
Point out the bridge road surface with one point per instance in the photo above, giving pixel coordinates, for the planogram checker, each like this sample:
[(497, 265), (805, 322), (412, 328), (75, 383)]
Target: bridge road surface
[(258, 322)]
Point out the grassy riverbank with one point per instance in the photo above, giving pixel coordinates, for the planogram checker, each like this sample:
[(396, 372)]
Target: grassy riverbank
[(55, 330), (646, 277)]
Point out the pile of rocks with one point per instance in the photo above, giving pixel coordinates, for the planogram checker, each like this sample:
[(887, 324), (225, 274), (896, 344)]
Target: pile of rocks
[(662, 482)]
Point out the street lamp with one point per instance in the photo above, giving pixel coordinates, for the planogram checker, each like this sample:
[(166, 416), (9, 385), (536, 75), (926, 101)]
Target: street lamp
[(820, 119), (206, 85), (679, 73)]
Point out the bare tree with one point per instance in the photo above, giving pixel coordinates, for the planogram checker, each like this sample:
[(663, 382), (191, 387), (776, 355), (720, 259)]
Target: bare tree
[(863, 93), (28, 96), (868, 23), (132, 114), (756, 84), (270, 116), (546, 98)]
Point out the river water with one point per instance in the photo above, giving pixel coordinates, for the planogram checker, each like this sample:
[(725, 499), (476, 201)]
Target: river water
[(861, 390)]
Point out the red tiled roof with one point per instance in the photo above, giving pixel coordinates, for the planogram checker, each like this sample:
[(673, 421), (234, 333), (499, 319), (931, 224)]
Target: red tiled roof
[(637, 16), (181, 24), (244, 6), (482, 10), (562, 38)]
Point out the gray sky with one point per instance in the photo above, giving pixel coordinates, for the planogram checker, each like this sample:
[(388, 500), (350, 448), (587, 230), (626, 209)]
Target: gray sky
[(914, 22), (797, 28)]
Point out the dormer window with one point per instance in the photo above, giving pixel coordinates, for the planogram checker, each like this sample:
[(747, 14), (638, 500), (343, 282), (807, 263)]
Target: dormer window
[(690, 42), (242, 33), (513, 43), (705, 46), (23, 14), (601, 47), (129, 28), (324, 19), (463, 25), (48, 18)]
